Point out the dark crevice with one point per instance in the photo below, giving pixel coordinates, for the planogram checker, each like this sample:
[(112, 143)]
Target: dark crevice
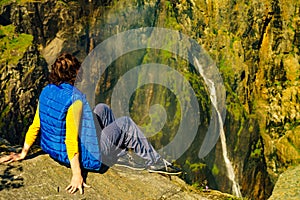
[(156, 13), (265, 26), (5, 16), (39, 25)]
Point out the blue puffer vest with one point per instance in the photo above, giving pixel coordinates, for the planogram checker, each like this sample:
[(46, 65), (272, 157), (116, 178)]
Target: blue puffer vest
[(54, 103)]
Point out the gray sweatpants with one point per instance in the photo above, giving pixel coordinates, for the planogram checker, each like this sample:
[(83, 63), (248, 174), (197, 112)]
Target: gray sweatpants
[(119, 135)]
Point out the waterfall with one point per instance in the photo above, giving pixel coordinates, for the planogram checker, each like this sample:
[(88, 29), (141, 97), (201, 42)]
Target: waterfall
[(213, 97), (230, 172)]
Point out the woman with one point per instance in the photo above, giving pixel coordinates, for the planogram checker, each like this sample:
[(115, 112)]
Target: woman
[(70, 136)]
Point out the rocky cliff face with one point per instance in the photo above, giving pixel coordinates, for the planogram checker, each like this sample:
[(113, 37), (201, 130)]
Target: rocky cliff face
[(255, 45), (32, 35), (23, 73)]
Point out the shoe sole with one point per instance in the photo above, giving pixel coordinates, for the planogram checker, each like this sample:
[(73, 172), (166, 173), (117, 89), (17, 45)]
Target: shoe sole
[(164, 172), (130, 167)]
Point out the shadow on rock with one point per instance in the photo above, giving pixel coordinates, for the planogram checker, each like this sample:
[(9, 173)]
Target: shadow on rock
[(9, 178)]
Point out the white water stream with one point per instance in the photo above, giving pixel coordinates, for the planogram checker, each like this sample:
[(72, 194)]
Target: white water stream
[(213, 97)]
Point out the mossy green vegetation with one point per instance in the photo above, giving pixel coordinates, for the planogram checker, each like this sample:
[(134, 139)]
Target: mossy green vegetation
[(257, 150), (215, 170), (170, 20), (5, 2), (12, 44), (226, 71)]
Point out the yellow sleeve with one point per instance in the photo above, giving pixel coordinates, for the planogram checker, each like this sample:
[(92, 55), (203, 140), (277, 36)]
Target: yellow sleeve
[(34, 129), (72, 128)]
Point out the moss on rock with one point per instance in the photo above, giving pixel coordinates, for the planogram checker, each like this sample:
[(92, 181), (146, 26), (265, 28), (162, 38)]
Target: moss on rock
[(13, 45)]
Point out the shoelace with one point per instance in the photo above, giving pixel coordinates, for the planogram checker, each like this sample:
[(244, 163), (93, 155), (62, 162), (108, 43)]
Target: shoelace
[(130, 158), (166, 163)]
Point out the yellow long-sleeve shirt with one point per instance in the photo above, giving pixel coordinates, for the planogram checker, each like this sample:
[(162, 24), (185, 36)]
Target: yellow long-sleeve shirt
[(72, 128)]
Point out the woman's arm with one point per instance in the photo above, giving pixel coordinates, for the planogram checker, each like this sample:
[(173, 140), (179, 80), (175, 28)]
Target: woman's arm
[(72, 131), (30, 137), (77, 180)]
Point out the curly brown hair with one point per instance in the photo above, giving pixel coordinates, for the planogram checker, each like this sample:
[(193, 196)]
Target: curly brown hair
[(64, 69)]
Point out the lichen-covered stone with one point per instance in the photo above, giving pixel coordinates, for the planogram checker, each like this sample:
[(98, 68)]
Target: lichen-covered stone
[(287, 186)]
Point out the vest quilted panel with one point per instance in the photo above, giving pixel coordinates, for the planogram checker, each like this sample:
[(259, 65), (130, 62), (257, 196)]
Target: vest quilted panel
[(54, 103)]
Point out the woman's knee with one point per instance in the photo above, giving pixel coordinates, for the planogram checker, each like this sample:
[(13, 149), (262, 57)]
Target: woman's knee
[(124, 123), (101, 108)]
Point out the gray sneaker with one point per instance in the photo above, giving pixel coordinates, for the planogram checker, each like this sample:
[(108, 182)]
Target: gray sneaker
[(164, 168), (129, 162)]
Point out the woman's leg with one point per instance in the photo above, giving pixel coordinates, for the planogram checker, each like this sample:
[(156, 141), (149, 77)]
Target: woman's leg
[(122, 134), (104, 115)]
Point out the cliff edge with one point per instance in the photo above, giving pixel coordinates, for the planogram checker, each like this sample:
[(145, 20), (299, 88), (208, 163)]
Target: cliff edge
[(39, 177)]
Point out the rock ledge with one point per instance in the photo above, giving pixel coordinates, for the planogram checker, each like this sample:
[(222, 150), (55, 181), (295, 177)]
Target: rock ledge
[(39, 177)]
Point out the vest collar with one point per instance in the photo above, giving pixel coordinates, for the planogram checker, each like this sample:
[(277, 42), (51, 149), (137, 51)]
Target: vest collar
[(66, 85)]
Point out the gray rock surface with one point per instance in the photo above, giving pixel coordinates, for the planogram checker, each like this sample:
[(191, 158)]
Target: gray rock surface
[(288, 185), (39, 177)]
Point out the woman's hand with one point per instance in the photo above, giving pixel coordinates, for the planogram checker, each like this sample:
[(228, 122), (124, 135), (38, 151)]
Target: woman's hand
[(13, 157), (76, 183), (77, 180), (16, 156)]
